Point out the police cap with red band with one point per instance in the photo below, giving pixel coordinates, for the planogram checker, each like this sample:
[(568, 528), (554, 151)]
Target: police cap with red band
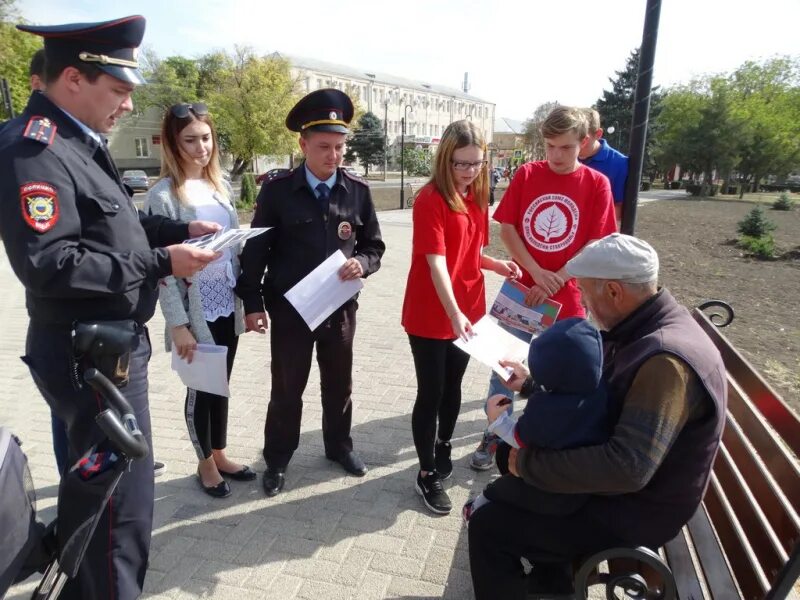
[(109, 45)]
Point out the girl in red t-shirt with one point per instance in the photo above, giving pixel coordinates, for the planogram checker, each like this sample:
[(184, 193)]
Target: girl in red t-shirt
[(445, 294)]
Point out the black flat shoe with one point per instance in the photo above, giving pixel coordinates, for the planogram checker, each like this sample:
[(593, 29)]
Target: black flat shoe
[(243, 474), (351, 463), (273, 481), (221, 490)]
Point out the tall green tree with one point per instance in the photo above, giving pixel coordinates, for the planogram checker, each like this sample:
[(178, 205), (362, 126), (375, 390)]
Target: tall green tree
[(766, 101), (250, 102), (169, 81), (534, 142), (700, 130), (366, 142), (16, 50)]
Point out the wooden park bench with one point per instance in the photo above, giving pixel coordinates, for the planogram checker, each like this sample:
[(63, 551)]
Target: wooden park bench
[(744, 540)]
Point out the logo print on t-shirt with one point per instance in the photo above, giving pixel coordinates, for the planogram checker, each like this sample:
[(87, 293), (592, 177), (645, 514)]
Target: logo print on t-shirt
[(550, 222)]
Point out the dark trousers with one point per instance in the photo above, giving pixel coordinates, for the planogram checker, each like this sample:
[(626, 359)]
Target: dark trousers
[(115, 562), (440, 367), (499, 535), (292, 346), (60, 442), (514, 491), (207, 414)]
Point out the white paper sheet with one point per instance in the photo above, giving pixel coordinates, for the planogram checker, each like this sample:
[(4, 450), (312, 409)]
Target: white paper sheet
[(224, 239), (208, 371), (490, 344), (321, 292)]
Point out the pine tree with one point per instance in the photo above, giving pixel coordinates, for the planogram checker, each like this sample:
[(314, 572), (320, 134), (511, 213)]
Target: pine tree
[(367, 141), (616, 109)]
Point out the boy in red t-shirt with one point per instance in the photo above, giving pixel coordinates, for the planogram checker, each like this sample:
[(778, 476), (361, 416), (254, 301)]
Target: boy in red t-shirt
[(551, 210)]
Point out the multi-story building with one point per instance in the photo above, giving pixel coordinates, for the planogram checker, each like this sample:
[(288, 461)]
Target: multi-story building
[(508, 148), (429, 108)]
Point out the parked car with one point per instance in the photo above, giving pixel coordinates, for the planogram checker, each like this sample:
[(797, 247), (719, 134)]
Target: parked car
[(136, 180), (269, 175)]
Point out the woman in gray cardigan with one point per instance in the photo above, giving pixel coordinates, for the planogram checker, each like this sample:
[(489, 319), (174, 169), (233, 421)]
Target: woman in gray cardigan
[(202, 309)]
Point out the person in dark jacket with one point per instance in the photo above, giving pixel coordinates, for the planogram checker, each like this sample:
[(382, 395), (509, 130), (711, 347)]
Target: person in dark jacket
[(315, 211), (77, 243), (667, 395), (567, 408)]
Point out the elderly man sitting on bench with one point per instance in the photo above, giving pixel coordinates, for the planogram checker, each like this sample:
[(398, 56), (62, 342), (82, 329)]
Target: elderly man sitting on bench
[(667, 389)]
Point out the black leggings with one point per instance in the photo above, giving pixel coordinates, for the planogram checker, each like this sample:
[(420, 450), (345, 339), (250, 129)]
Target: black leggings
[(207, 414), (440, 367)]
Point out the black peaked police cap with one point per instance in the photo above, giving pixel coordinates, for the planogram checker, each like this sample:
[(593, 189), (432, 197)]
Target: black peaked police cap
[(112, 46), (323, 110)]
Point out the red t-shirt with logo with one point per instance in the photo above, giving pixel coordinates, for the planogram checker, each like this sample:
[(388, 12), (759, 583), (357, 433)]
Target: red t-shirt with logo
[(460, 238), (557, 215)]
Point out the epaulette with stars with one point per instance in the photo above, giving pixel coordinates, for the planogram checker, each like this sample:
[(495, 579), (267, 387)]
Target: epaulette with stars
[(278, 174), (40, 129), (354, 177)]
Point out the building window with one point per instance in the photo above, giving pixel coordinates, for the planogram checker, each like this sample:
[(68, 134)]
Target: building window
[(142, 149)]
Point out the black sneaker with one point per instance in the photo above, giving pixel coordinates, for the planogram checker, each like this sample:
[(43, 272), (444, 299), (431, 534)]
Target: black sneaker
[(433, 494), (441, 453), (159, 468)]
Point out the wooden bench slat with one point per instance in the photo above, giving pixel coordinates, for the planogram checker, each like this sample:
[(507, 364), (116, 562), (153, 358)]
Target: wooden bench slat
[(680, 562), (709, 553), (764, 543), (783, 519), (772, 452), (744, 564), (768, 401)]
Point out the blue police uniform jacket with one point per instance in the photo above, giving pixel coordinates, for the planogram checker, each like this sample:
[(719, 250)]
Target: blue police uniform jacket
[(306, 231), (71, 232)]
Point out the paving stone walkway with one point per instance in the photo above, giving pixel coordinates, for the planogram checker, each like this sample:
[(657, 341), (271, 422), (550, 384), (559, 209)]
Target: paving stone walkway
[(329, 536)]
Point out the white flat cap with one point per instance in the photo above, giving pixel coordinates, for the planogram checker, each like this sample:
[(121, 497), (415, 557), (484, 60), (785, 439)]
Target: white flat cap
[(617, 256)]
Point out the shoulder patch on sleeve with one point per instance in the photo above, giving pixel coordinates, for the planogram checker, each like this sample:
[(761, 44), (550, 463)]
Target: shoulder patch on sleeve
[(40, 129), (39, 204)]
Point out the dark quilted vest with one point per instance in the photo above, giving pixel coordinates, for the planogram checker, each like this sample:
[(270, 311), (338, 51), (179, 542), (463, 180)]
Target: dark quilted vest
[(655, 514)]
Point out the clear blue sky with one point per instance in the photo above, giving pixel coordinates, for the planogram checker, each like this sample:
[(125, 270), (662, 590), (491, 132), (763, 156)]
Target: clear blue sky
[(518, 53)]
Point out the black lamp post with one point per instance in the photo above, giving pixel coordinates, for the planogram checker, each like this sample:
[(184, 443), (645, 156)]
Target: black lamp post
[(402, 154)]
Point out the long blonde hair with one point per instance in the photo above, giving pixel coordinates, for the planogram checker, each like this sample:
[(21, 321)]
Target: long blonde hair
[(459, 134), (172, 163)]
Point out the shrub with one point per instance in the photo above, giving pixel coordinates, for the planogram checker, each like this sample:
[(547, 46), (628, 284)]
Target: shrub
[(247, 198), (755, 224), (675, 185), (760, 247), (784, 202), (645, 186)]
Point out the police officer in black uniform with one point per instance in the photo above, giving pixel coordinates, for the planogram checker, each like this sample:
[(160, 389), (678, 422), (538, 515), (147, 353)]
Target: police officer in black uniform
[(315, 209), (85, 253)]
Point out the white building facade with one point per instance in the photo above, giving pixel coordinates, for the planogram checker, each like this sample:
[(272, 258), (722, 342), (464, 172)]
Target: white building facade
[(428, 108)]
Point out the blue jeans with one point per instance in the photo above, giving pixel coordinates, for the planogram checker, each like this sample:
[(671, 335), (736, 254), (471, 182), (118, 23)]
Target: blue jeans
[(495, 383)]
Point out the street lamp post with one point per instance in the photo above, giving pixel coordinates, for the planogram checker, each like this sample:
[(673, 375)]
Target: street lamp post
[(385, 137), (402, 154)]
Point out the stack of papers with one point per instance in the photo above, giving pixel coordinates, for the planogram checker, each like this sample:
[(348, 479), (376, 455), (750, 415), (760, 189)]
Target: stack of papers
[(224, 239), (490, 344), (321, 292), (208, 371)]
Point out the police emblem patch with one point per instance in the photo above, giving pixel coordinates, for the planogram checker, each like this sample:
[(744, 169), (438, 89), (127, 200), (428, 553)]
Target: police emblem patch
[(345, 230), (39, 203), (332, 115)]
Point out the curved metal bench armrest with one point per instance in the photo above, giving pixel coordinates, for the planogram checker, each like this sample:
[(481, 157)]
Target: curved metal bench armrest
[(720, 313), (633, 582)]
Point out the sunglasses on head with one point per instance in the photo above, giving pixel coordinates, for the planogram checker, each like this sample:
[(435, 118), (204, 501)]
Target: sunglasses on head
[(181, 111)]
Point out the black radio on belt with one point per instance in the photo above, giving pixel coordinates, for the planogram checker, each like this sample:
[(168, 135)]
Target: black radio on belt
[(106, 346)]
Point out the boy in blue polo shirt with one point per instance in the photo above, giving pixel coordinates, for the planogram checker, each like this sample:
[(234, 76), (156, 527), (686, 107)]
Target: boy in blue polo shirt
[(601, 157)]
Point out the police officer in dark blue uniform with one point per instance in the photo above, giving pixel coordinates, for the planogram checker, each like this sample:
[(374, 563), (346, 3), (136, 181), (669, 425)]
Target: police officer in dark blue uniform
[(316, 209), (84, 253)]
